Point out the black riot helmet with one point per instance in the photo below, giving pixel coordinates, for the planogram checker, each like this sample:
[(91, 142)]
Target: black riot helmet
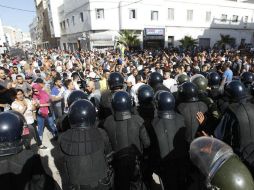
[(235, 91), (145, 94), (218, 163), (21, 117), (76, 95), (82, 114), (213, 79), (10, 134), (121, 104), (247, 78), (165, 104), (188, 92), (182, 78), (200, 81), (154, 79), (115, 81)]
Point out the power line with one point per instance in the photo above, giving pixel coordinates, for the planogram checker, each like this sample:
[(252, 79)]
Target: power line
[(18, 9)]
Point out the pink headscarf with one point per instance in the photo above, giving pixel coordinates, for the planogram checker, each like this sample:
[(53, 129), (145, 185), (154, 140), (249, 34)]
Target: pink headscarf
[(43, 98)]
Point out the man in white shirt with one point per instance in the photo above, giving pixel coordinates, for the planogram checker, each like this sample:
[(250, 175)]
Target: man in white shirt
[(169, 82), (135, 87), (131, 79)]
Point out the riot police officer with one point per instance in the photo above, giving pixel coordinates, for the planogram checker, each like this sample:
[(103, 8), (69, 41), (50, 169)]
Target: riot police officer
[(29, 132), (156, 82), (146, 110), (189, 106), (128, 137), (214, 85), (213, 115), (219, 165), (84, 147), (145, 99), (115, 83), (236, 127), (74, 96), (169, 147), (247, 79), (20, 168), (182, 78)]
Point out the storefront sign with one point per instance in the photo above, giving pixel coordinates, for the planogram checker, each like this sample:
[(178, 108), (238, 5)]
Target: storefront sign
[(155, 31)]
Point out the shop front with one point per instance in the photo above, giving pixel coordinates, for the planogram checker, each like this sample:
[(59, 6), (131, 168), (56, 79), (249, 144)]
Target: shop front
[(154, 38)]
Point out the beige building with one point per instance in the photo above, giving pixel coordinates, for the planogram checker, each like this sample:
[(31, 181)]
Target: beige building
[(44, 39)]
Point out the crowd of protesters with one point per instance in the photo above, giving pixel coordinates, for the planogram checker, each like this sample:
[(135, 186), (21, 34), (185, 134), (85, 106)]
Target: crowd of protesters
[(43, 79), (38, 84)]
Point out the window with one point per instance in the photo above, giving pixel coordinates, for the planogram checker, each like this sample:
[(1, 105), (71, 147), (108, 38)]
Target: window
[(246, 19), (68, 23), (49, 7), (99, 13), (208, 16), (235, 18), (154, 15), (132, 14), (81, 17), (63, 24), (73, 20), (51, 24), (171, 13), (224, 18), (189, 15)]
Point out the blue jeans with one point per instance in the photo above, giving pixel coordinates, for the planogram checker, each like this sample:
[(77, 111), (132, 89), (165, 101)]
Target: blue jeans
[(51, 123)]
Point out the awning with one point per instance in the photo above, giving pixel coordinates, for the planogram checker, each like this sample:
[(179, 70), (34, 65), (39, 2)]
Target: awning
[(103, 36), (103, 43)]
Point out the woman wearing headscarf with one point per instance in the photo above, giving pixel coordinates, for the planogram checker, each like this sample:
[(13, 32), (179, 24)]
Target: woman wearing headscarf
[(42, 100)]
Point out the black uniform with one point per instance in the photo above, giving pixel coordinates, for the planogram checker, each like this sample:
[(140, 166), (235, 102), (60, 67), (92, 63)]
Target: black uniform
[(128, 137), (84, 148), (160, 87), (237, 124), (20, 169), (156, 82), (189, 107), (236, 127), (169, 148), (146, 111), (115, 82), (105, 108), (213, 114), (85, 164), (24, 171)]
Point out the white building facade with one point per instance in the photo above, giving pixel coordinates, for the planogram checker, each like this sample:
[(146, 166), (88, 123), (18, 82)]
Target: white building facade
[(92, 24), (14, 36)]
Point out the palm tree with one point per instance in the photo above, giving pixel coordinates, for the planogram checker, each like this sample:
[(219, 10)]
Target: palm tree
[(188, 42), (128, 39), (225, 40)]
